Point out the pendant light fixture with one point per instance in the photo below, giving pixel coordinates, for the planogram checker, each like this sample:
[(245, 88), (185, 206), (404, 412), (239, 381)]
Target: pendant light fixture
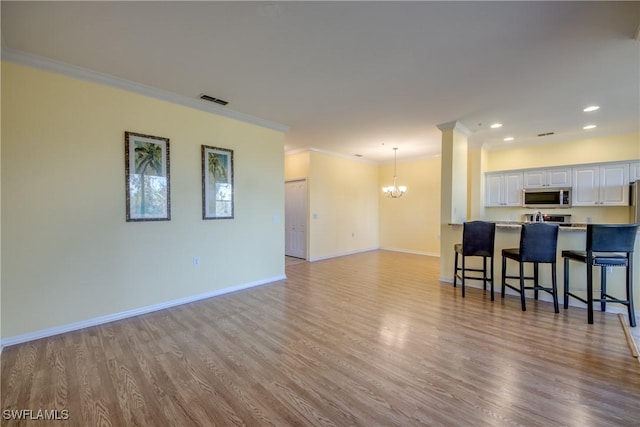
[(394, 191)]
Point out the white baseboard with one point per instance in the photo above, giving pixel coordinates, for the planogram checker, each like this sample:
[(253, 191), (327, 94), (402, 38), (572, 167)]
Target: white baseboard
[(408, 251), (339, 254), (44, 333)]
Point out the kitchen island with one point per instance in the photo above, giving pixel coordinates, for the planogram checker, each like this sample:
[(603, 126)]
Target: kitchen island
[(570, 237)]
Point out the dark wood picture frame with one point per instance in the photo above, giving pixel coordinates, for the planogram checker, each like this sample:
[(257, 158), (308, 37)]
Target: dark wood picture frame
[(147, 176), (217, 183)]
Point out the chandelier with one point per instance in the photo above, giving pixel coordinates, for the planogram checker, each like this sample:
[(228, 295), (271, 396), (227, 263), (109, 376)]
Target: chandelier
[(394, 191)]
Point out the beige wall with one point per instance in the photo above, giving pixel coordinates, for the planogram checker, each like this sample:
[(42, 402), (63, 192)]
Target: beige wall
[(296, 166), (412, 222), (588, 150), (352, 214), (71, 254), (343, 206)]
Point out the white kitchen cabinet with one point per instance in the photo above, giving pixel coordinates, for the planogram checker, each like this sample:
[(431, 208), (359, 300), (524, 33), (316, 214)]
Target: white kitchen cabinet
[(503, 189), (634, 171), (601, 185), (540, 178)]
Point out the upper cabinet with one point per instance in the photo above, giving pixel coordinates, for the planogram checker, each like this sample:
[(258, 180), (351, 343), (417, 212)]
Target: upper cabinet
[(540, 178), (601, 185), (634, 171), (503, 189)]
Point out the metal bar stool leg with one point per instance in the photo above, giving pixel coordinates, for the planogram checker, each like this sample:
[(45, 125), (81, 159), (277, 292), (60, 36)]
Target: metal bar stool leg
[(524, 304), (589, 291), (566, 283), (632, 313), (504, 274), (463, 273), (492, 276), (554, 288), (536, 282), (455, 269), (603, 288), (484, 273)]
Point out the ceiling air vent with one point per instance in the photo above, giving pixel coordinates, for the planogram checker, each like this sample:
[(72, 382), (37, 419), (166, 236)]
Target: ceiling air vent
[(546, 134), (212, 99)]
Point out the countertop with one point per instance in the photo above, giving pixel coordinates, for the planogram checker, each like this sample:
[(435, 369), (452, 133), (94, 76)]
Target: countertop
[(573, 227)]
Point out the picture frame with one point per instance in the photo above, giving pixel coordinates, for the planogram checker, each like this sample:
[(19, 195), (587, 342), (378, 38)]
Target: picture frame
[(217, 183), (147, 176)]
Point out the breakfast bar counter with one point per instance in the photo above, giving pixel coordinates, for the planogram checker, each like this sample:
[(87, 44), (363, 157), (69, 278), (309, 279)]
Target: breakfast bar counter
[(515, 225), (570, 237)]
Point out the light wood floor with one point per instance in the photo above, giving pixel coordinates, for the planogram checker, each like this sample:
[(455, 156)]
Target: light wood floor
[(372, 339)]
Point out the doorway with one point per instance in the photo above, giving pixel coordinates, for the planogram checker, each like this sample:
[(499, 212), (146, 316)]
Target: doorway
[(295, 218)]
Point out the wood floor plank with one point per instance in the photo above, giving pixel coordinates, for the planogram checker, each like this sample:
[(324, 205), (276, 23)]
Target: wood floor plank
[(363, 340)]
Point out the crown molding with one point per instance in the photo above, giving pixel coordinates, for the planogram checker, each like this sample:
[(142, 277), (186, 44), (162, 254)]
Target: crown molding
[(296, 151), (410, 159), (359, 159), (53, 66), (330, 154), (457, 126)]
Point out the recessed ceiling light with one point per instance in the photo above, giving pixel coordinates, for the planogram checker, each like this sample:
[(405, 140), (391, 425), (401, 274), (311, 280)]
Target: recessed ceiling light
[(509, 138), (496, 125), (591, 108), (587, 127)]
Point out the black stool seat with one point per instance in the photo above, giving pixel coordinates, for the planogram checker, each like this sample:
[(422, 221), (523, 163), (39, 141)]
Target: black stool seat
[(599, 260), (478, 239), (480, 252), (608, 245), (538, 245), (512, 253)]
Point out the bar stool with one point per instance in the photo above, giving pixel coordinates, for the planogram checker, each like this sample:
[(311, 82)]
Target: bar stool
[(608, 245), (538, 244), (478, 238)]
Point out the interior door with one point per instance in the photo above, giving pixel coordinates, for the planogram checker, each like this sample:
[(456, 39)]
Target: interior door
[(295, 219)]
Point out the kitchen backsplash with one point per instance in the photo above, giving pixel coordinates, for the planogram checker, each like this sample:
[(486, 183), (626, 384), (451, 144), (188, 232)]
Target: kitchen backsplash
[(604, 215)]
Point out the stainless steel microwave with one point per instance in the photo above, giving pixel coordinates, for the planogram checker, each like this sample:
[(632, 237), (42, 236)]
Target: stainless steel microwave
[(547, 197)]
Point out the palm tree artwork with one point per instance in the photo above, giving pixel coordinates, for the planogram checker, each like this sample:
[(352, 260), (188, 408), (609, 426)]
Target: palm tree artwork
[(217, 169), (148, 164), (218, 180)]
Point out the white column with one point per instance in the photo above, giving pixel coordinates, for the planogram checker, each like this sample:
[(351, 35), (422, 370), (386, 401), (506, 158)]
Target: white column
[(453, 194)]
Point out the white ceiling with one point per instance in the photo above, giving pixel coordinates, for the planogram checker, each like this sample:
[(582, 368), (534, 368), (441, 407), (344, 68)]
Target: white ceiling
[(348, 77)]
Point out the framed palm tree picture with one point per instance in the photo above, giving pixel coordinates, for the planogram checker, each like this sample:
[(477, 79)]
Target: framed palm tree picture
[(147, 177), (217, 183)]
